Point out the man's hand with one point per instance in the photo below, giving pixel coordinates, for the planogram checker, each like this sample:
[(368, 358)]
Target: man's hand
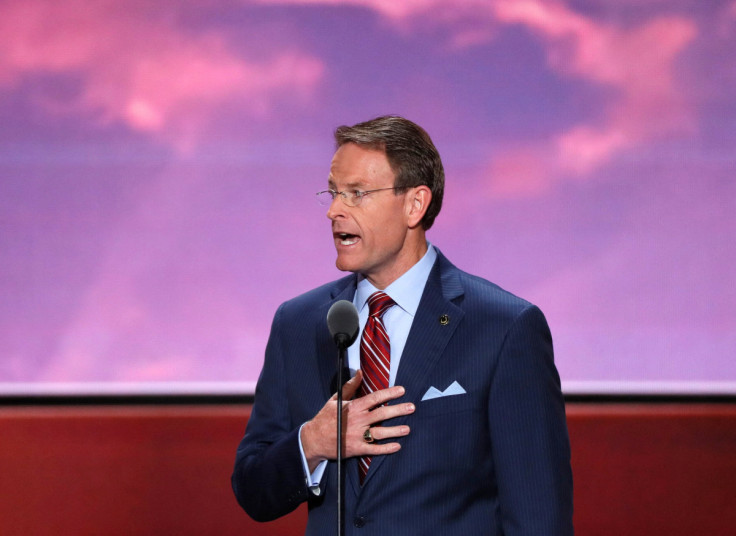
[(319, 439)]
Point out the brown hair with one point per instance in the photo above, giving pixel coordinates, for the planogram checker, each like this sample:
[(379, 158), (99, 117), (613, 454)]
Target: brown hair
[(410, 152)]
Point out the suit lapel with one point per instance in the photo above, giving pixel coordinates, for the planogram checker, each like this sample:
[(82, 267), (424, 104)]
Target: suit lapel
[(326, 351), (434, 324)]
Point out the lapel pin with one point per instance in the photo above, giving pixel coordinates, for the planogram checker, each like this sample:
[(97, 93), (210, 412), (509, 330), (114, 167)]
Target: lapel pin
[(444, 320)]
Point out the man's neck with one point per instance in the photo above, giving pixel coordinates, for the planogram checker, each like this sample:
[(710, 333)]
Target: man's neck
[(412, 255), (410, 259)]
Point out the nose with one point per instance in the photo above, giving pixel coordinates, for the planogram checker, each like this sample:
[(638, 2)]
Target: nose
[(336, 208)]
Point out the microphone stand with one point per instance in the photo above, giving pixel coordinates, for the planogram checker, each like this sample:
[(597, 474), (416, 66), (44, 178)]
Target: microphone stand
[(342, 321), (340, 492)]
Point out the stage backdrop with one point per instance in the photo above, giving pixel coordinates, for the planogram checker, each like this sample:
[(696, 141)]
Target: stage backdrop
[(159, 159)]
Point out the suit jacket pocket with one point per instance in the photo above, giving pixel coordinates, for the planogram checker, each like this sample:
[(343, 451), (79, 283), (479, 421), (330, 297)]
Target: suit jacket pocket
[(447, 404)]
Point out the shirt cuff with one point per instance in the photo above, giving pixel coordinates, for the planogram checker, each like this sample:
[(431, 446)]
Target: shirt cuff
[(313, 479)]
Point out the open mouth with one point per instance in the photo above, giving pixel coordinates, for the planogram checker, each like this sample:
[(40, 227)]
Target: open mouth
[(347, 239)]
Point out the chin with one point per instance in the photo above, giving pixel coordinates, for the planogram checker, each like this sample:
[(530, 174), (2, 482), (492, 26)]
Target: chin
[(345, 265)]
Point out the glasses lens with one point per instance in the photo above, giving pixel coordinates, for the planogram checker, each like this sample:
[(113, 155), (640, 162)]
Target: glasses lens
[(351, 199), (324, 198)]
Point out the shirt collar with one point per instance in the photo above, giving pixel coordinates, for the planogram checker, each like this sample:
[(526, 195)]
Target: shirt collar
[(407, 290)]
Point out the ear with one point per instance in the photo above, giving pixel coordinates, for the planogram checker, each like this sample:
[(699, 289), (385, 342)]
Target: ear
[(417, 203)]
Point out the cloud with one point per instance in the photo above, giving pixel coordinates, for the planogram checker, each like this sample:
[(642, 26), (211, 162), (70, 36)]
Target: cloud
[(138, 68), (635, 65), (390, 9)]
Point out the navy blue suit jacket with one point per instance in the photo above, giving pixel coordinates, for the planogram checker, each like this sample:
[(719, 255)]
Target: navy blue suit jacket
[(492, 461)]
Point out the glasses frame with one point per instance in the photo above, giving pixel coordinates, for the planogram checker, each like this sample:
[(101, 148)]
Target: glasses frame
[(351, 199)]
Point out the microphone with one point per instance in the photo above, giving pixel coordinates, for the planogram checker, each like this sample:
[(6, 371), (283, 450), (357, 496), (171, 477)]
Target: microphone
[(342, 321)]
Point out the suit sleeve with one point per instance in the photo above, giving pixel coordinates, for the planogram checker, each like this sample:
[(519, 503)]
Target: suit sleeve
[(268, 479), (529, 439)]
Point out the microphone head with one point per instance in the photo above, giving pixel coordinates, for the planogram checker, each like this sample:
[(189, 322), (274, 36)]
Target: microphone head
[(342, 321)]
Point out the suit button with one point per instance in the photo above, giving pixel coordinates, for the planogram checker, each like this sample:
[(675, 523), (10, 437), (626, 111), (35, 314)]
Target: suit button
[(359, 522)]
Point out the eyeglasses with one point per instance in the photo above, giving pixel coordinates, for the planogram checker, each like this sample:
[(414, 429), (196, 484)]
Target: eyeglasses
[(351, 199)]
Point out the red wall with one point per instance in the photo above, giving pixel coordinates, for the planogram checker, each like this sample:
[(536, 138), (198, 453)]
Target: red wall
[(164, 470)]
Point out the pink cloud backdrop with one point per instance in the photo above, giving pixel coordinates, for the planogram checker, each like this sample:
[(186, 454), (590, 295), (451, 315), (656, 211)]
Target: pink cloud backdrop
[(158, 162)]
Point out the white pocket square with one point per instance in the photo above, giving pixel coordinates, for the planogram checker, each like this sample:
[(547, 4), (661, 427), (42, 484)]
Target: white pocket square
[(454, 389)]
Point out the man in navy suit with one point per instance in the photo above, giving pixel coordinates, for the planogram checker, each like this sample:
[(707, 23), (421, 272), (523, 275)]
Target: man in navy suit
[(467, 434)]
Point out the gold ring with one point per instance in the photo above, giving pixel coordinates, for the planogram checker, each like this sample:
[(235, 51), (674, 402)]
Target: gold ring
[(367, 437)]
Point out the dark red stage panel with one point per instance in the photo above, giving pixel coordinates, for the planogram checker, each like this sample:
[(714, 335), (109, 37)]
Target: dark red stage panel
[(150, 470), (645, 469), (654, 469)]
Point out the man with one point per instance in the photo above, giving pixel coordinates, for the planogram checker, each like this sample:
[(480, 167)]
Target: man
[(455, 424)]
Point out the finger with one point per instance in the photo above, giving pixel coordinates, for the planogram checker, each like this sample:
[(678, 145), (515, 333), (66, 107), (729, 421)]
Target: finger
[(385, 413), (377, 398), (387, 432), (351, 386), (377, 449)]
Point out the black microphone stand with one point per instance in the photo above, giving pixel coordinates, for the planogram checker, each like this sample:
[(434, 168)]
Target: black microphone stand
[(340, 492), (342, 321)]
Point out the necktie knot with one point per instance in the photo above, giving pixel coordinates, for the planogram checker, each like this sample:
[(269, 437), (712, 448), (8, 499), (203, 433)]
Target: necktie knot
[(378, 303)]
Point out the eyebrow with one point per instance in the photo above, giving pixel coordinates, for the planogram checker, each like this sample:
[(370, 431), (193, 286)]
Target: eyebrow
[(354, 184)]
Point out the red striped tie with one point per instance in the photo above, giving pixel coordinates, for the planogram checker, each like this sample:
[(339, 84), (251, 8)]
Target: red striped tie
[(375, 355)]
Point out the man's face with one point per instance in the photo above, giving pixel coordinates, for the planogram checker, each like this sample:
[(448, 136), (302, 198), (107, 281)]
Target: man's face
[(370, 238)]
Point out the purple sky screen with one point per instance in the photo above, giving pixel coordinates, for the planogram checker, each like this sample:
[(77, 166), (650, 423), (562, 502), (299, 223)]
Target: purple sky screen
[(159, 159)]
